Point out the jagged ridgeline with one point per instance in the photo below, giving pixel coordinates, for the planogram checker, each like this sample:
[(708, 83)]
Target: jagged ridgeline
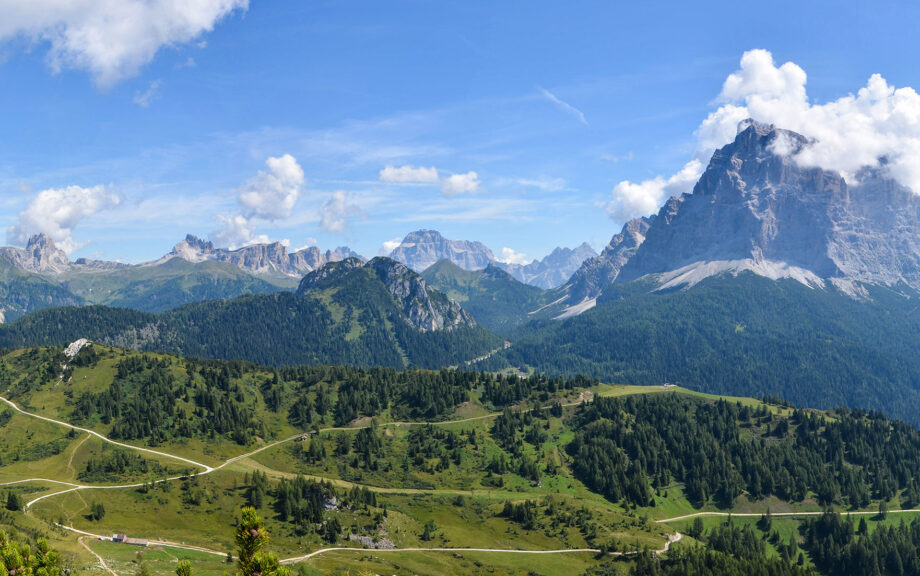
[(374, 314)]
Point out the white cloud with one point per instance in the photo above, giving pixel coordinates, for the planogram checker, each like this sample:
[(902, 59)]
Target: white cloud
[(407, 173), (460, 184), (846, 134), (57, 211), (509, 256), (564, 106), (271, 195), (143, 99), (387, 247), (336, 211), (235, 232), (111, 39), (849, 133), (643, 198)]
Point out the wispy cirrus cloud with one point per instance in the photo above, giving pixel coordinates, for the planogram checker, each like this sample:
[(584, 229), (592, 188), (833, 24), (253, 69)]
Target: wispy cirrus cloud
[(563, 105)]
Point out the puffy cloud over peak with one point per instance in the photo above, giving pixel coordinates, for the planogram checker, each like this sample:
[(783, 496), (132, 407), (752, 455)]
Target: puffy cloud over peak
[(57, 211), (510, 256), (854, 131), (272, 193), (631, 200), (849, 133), (111, 39), (460, 184), (268, 196)]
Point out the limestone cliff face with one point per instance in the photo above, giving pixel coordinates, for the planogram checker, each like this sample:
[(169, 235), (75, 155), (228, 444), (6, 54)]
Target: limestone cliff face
[(418, 303), (260, 259), (40, 256), (422, 248), (756, 209)]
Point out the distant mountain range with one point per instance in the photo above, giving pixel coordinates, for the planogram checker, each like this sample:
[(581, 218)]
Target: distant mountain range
[(378, 313), (41, 275), (768, 278), (421, 249)]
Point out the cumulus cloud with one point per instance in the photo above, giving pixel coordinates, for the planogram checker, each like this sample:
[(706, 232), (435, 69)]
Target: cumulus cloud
[(849, 133), (271, 195), (450, 185), (336, 211), (57, 211), (642, 198), (111, 39), (878, 125), (236, 231), (509, 256), (409, 174), (460, 184), (387, 247)]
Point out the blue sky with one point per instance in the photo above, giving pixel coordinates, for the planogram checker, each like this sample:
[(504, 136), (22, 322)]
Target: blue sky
[(162, 131)]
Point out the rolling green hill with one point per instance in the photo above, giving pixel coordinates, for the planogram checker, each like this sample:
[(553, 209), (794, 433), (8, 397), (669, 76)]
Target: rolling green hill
[(337, 457), (492, 296)]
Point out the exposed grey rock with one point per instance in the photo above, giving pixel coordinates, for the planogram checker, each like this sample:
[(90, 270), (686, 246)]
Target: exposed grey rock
[(260, 259), (424, 307), (756, 209), (40, 256), (422, 248), (553, 270), (420, 304)]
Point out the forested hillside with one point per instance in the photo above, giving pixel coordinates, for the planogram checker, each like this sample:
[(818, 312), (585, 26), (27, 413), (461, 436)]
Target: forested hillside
[(743, 335), (492, 296), (335, 456), (354, 319)]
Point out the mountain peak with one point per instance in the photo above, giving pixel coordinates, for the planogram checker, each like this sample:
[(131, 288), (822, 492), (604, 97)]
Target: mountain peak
[(422, 248)]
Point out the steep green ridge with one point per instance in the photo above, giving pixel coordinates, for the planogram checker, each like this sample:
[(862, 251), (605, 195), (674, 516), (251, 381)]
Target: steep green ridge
[(492, 296), (167, 285), (743, 335), (22, 292), (351, 318)]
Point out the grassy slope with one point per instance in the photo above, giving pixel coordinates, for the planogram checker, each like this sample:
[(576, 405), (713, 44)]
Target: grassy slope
[(412, 496), (492, 296), (168, 285)]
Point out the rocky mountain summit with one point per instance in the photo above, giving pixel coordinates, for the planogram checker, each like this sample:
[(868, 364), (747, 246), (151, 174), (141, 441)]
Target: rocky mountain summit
[(260, 259), (422, 248), (553, 270), (755, 208), (595, 274), (40, 256)]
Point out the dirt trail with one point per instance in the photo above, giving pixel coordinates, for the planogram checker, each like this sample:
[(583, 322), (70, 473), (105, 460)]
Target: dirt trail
[(98, 557)]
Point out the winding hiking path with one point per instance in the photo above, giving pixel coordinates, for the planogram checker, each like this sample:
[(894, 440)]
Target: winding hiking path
[(72, 487), (667, 546), (104, 438), (98, 557)]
